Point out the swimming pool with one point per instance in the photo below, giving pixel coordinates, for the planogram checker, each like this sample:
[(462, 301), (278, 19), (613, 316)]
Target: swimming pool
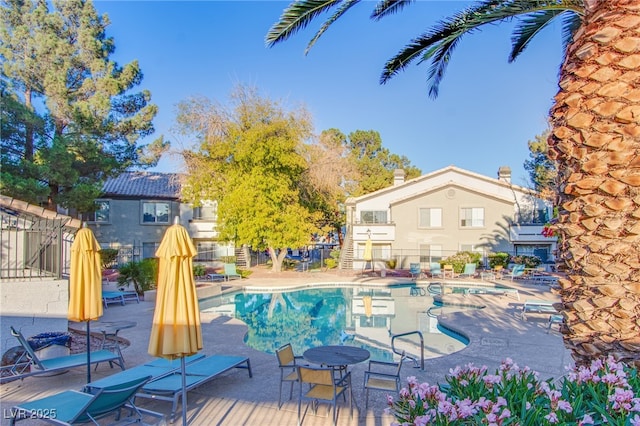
[(339, 313)]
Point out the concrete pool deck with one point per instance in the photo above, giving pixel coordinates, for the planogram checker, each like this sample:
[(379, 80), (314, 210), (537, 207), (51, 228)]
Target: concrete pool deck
[(495, 333)]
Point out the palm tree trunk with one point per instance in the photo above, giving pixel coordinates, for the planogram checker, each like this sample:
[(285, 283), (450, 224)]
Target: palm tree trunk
[(596, 143)]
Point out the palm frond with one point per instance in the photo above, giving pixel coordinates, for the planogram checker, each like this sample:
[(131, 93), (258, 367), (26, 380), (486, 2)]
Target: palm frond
[(570, 25), (346, 5), (437, 44), (388, 7), (528, 28), (296, 17)]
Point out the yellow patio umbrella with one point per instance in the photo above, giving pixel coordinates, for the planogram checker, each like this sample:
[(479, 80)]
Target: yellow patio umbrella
[(368, 253), (176, 330), (85, 284)]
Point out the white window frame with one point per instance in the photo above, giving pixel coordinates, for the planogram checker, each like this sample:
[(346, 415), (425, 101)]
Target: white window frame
[(476, 217), (432, 253), (155, 215), (378, 216), (434, 216)]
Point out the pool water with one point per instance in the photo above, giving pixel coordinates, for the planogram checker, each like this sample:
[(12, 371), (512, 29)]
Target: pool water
[(337, 314)]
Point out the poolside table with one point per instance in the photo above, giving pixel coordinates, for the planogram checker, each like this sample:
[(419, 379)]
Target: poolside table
[(336, 355)]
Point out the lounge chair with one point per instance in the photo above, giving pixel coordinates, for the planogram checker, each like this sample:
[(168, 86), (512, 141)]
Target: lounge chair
[(121, 297), (516, 272), (435, 270), (73, 407), (230, 272), (156, 369), (28, 364), (169, 387), (469, 271), (415, 270), (539, 307)]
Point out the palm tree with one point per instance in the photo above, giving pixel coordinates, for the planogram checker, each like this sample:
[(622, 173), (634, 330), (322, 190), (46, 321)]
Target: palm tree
[(595, 142)]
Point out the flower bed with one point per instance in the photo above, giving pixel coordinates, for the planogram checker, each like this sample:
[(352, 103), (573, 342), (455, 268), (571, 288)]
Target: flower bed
[(603, 393)]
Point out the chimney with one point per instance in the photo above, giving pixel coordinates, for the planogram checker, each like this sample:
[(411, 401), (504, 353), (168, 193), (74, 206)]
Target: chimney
[(504, 173), (398, 177)]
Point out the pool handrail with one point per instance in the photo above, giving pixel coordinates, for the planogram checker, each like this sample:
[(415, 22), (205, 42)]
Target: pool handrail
[(393, 348)]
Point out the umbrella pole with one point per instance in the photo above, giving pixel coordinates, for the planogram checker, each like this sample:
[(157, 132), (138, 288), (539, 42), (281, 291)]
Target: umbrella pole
[(184, 392), (88, 352)]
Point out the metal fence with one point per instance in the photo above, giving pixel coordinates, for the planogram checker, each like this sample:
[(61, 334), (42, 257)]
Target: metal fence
[(32, 246)]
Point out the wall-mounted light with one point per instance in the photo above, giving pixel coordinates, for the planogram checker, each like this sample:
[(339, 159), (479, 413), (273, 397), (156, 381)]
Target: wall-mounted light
[(369, 233)]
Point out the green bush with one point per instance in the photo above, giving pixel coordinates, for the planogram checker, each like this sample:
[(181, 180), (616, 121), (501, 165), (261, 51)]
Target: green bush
[(142, 274), (108, 257), (244, 273), (460, 259), (228, 259), (498, 259), (199, 270), (527, 261), (331, 263)]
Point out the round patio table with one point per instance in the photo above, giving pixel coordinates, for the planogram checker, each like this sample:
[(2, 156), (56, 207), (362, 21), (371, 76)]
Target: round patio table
[(336, 355)]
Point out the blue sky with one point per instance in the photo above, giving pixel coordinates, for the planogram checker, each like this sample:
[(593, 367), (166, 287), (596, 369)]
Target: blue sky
[(486, 112)]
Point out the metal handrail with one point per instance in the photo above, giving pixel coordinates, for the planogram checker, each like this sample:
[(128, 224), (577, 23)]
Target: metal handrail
[(393, 348)]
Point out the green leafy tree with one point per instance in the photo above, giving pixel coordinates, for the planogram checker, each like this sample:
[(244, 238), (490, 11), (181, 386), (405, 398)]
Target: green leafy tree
[(249, 160), (374, 163), (541, 169), (594, 141), (93, 121)]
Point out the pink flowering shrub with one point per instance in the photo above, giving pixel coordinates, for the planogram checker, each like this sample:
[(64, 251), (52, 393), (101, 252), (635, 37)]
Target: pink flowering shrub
[(602, 393)]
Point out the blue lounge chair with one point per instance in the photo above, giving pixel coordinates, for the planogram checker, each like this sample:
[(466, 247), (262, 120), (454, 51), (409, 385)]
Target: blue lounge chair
[(516, 272), (435, 270), (230, 272), (415, 270), (28, 364), (73, 407), (469, 270), (169, 387), (121, 297)]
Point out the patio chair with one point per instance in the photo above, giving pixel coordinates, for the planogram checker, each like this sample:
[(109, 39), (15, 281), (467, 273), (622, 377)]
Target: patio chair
[(447, 270), (516, 272), (28, 364), (415, 270), (230, 272), (288, 369), (73, 407), (383, 376), (469, 270), (323, 388), (435, 270)]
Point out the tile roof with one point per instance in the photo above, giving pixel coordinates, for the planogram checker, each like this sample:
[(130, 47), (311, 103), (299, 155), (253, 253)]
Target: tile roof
[(144, 184)]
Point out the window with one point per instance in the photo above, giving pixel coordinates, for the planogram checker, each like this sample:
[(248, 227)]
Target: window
[(101, 215), (430, 218), (373, 216), (472, 248), (155, 212), (205, 213), (430, 253), (472, 217)]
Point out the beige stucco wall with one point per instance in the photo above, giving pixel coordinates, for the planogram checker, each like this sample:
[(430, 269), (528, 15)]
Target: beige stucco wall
[(33, 307), (451, 236)]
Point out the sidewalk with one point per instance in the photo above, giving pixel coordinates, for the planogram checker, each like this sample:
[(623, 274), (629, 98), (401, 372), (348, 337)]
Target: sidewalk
[(496, 332)]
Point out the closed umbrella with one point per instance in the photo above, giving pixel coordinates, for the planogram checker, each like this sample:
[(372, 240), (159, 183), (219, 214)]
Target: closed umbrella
[(85, 284), (368, 253), (176, 331)]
